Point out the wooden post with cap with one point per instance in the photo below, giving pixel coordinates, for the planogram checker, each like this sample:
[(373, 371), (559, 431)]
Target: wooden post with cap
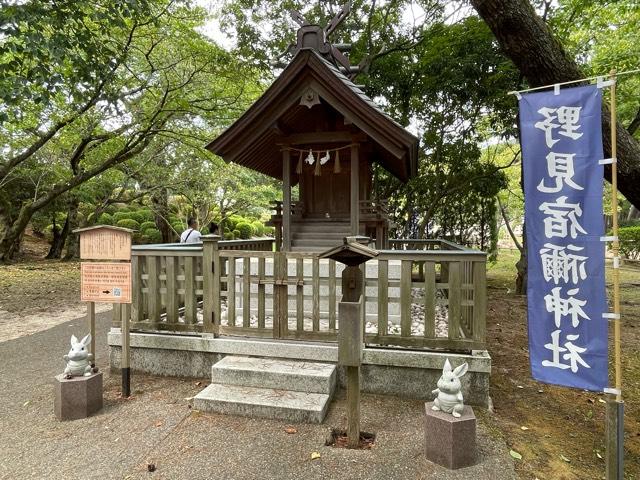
[(350, 333)]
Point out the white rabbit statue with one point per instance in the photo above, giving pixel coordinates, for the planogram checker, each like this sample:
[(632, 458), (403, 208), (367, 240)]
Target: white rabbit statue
[(79, 359), (449, 392)]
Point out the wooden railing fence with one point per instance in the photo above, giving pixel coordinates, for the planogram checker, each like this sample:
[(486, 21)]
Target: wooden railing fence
[(433, 298)]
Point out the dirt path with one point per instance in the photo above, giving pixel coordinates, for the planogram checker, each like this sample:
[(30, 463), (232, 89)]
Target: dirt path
[(37, 295), (15, 325)]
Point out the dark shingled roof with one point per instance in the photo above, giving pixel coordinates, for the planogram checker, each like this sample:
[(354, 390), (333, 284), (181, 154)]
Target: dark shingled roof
[(354, 87), (253, 142)]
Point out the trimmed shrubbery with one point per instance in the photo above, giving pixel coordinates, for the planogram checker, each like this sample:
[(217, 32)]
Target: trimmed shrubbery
[(105, 219), (152, 235), (128, 223), (148, 225), (630, 242), (246, 230)]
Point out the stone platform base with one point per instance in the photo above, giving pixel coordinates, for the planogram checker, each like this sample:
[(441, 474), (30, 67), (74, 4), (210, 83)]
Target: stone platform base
[(77, 397), (385, 371), (450, 441)]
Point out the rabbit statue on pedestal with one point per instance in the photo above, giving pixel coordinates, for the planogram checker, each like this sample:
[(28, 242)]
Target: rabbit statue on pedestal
[(449, 398), (78, 359)]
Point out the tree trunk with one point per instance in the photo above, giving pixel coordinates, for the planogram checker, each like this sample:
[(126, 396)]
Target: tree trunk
[(160, 202), (508, 225), (521, 266), (10, 241), (541, 59), (73, 241), (59, 238)]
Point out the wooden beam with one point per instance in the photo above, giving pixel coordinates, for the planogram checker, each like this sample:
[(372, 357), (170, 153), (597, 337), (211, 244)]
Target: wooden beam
[(286, 200), (355, 190), (323, 137)]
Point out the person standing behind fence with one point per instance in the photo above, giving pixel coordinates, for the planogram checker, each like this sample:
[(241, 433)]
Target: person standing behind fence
[(191, 234)]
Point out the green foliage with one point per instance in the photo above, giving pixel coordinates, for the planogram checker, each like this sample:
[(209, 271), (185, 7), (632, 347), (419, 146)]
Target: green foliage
[(60, 47), (233, 221), (630, 242), (630, 223), (147, 225), (120, 215), (146, 215), (236, 234), (128, 223), (109, 102), (152, 235), (105, 219), (178, 228), (258, 228), (134, 215), (246, 230)]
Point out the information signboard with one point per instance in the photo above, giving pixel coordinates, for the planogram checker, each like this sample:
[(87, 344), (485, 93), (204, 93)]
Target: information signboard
[(105, 282), (105, 243)]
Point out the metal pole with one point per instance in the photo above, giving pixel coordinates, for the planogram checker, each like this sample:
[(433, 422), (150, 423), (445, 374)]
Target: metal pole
[(615, 409), (91, 314), (124, 358)]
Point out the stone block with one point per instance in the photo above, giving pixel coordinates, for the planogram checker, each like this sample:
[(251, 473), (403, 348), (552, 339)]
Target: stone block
[(77, 397), (263, 402), (276, 373), (450, 441)]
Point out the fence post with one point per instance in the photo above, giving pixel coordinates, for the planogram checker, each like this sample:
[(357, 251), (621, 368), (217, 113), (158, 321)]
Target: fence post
[(479, 300), (280, 295), (210, 284)]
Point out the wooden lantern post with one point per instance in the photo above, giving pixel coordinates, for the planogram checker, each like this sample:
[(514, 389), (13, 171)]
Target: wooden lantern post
[(350, 317)]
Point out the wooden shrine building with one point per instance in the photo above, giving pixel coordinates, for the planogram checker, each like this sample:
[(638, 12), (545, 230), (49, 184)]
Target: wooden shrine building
[(315, 128)]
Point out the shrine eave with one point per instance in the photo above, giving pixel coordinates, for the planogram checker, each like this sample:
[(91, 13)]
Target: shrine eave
[(255, 142)]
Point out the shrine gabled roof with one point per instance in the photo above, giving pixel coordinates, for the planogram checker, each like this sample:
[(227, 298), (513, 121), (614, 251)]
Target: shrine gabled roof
[(254, 141)]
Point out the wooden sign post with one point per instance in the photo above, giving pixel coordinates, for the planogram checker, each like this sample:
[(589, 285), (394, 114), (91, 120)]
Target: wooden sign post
[(353, 254), (107, 281)]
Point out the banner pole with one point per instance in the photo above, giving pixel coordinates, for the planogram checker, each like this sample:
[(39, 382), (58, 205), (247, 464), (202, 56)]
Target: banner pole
[(616, 242), (615, 408)]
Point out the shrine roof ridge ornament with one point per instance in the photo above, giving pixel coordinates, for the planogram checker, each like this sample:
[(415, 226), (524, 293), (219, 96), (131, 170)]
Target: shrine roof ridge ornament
[(314, 37), (319, 78)]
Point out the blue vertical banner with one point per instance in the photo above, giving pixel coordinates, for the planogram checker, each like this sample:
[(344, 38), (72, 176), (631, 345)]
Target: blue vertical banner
[(561, 137)]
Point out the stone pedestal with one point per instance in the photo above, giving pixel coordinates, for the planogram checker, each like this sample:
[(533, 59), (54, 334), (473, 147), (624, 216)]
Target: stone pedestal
[(450, 441), (77, 397)]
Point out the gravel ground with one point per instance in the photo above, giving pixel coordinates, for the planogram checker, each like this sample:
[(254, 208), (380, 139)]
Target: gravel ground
[(157, 426), (417, 318)]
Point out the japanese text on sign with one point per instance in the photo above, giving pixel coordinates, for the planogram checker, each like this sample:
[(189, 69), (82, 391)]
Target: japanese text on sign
[(105, 244), (105, 282), (562, 144)]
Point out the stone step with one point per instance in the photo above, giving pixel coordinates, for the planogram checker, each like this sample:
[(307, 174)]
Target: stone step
[(263, 402), (274, 373)]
